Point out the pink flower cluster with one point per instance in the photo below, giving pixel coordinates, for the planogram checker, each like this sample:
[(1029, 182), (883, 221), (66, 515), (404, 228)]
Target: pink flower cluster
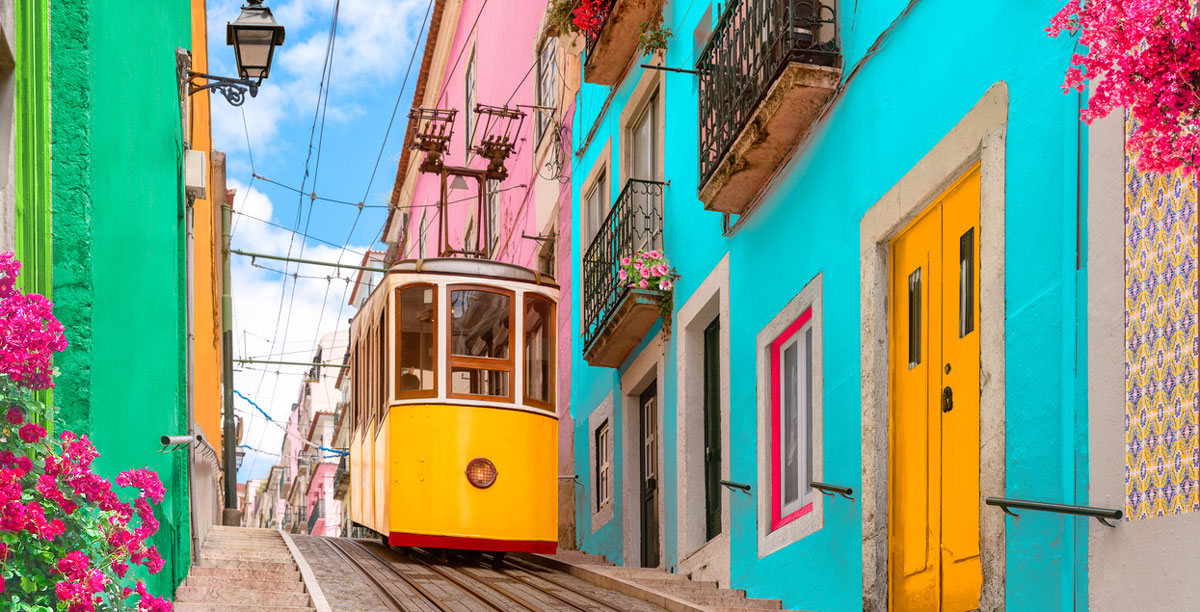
[(1144, 55), (647, 270), (29, 333), (67, 481)]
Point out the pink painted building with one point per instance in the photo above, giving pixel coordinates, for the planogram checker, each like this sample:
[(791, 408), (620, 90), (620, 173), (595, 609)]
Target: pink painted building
[(496, 54)]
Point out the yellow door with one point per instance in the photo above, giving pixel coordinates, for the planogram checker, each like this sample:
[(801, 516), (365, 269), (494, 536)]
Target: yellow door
[(933, 496)]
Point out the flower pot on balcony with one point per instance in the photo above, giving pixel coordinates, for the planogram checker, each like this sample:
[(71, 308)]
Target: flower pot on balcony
[(611, 49)]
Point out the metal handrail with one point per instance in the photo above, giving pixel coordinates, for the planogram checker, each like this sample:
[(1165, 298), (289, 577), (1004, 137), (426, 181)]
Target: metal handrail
[(1100, 514), (830, 490), (751, 45), (744, 488), (635, 219)]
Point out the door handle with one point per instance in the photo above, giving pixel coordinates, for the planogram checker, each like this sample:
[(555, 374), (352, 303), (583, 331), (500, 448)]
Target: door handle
[(947, 399)]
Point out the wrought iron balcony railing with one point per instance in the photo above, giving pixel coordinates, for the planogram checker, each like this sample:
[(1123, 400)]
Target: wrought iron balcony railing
[(634, 223), (751, 45), (317, 513)]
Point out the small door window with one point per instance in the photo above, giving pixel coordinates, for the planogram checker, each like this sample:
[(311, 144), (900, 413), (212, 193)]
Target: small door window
[(966, 283), (914, 319)]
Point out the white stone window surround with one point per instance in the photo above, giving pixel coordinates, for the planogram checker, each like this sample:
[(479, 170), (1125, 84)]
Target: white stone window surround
[(700, 558), (772, 540), (601, 415)]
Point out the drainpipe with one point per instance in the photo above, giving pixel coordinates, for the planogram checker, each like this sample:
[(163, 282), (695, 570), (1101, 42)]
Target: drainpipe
[(189, 234), (231, 516)]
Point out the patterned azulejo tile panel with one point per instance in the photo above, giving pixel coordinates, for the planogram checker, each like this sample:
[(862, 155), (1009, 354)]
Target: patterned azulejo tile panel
[(1162, 449)]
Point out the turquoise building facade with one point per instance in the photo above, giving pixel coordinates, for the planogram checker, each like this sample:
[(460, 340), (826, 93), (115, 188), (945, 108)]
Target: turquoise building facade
[(918, 95)]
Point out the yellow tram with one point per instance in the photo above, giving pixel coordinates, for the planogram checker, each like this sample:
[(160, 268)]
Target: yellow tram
[(454, 435)]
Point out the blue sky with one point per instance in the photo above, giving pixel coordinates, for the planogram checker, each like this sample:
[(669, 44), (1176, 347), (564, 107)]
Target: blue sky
[(273, 314)]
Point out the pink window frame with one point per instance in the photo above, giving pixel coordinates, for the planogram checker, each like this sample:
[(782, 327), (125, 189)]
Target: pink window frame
[(778, 521)]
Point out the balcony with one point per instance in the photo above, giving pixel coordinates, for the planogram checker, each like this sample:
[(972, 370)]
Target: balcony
[(317, 513), (341, 478), (615, 317), (765, 75), (609, 52)]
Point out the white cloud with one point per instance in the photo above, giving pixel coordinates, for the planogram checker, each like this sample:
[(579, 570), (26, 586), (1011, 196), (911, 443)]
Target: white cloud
[(312, 306), (374, 40)]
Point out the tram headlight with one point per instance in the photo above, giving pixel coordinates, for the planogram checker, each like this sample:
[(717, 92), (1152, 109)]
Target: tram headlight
[(481, 473)]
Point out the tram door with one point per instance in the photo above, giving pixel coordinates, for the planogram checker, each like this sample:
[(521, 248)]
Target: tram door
[(649, 439), (933, 560)]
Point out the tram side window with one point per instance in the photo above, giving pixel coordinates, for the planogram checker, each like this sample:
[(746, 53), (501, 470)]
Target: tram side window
[(416, 329), (539, 351), (480, 341)]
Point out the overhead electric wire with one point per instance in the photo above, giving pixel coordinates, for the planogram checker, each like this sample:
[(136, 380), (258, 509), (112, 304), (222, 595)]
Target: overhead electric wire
[(371, 180), (322, 91), (284, 227), (313, 195)]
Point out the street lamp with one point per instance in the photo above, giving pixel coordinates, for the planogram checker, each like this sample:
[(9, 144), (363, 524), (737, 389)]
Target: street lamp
[(254, 36)]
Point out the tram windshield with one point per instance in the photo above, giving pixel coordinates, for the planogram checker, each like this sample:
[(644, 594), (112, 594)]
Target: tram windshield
[(416, 374)]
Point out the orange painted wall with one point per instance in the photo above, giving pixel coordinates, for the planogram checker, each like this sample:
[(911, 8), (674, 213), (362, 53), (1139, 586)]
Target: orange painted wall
[(206, 375)]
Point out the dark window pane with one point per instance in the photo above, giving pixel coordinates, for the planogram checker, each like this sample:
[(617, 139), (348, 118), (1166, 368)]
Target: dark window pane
[(966, 283), (791, 442), (914, 318), (808, 412), (475, 381), (417, 338), (479, 325), (539, 349)]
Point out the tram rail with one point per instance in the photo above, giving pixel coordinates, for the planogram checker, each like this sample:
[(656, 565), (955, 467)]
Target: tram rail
[(476, 581)]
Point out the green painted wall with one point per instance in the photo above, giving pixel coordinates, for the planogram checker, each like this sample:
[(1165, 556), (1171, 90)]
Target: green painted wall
[(118, 242)]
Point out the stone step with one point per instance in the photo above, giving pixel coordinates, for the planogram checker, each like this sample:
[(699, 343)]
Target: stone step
[(211, 539), (205, 559), (635, 573), (228, 529), (722, 600), (208, 607), (745, 609), (656, 583), (290, 585), (689, 590), (226, 573), (229, 595), (275, 557)]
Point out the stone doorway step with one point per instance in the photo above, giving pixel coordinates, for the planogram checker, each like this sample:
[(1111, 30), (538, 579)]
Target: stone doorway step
[(249, 570), (659, 587)]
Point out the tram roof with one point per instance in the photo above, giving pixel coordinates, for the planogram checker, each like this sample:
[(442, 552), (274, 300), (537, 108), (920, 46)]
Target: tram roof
[(479, 268)]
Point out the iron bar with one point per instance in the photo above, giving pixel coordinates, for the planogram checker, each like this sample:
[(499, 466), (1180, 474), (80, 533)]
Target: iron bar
[(1100, 514), (750, 47), (635, 222), (830, 490), (682, 70), (297, 363), (744, 488), (313, 262)]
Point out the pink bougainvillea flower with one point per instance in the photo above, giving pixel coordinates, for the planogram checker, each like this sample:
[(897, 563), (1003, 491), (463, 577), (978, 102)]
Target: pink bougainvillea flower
[(1139, 56)]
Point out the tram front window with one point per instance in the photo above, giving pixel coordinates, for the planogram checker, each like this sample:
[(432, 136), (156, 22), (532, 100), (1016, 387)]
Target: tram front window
[(417, 331), (480, 324), (480, 337)]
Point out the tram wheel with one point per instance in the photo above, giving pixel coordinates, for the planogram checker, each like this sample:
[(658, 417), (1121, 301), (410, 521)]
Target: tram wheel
[(498, 558), (383, 540)]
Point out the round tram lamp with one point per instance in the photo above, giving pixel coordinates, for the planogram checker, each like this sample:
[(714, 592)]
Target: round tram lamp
[(254, 37), (481, 473)]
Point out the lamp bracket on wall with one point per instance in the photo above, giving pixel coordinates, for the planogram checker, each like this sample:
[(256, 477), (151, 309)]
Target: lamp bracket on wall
[(233, 89)]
